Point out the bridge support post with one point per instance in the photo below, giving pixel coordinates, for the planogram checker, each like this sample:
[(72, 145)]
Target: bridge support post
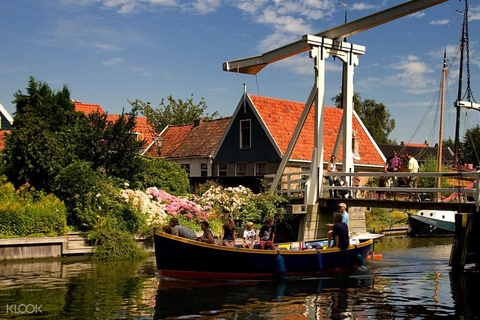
[(463, 226)]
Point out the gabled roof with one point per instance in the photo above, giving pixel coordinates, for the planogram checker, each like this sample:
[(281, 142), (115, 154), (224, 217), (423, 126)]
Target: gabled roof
[(199, 139), (281, 117), (144, 131)]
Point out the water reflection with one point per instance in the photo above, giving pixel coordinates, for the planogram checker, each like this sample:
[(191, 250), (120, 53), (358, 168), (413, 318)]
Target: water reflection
[(412, 281), (307, 298)]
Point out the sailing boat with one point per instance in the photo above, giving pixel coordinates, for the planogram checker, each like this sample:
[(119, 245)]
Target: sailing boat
[(439, 222)]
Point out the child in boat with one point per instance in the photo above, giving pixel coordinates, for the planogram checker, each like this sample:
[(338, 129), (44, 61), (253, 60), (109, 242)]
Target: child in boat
[(249, 236), (228, 233), (266, 236), (207, 233)]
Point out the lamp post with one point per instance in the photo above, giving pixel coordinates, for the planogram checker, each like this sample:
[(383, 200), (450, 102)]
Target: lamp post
[(158, 143)]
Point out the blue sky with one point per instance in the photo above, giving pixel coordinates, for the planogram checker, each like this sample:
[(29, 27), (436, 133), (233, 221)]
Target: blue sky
[(108, 51)]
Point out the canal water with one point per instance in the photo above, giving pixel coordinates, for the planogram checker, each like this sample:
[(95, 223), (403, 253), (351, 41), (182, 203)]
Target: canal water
[(412, 281)]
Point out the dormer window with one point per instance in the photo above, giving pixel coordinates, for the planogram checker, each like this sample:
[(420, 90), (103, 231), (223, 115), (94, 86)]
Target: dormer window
[(245, 134)]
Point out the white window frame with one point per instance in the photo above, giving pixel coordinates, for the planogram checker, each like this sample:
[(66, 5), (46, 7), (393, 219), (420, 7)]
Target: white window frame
[(242, 146)]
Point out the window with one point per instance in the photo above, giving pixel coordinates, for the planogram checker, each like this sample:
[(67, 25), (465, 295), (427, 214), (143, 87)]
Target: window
[(186, 167), (203, 170), (241, 169), (245, 134), (260, 169), (222, 169)]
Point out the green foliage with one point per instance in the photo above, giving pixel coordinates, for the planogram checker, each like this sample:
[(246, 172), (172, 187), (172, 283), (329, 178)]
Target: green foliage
[(75, 184), (25, 213), (156, 172), (431, 165), (108, 210), (173, 112), (374, 116), (47, 135), (114, 244), (470, 151), (243, 205), (36, 150), (380, 219)]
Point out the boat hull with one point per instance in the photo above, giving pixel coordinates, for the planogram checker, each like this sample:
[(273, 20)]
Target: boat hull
[(189, 259), (421, 226)]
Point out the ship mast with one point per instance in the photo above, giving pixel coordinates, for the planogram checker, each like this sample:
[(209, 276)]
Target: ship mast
[(440, 138), (459, 95)]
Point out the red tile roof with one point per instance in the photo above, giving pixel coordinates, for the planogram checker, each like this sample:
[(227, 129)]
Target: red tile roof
[(87, 108), (281, 118), (193, 140), (145, 132)]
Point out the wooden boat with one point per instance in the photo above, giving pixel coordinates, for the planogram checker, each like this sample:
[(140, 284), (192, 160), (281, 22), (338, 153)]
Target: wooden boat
[(189, 259), (431, 223)]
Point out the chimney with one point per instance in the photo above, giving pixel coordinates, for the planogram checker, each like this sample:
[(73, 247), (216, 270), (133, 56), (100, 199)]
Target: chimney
[(197, 122)]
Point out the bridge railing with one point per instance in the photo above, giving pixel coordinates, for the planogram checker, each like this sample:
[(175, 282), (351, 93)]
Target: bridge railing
[(293, 184)]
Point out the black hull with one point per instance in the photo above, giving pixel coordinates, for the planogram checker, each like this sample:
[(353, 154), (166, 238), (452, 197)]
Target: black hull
[(426, 227), (189, 259)]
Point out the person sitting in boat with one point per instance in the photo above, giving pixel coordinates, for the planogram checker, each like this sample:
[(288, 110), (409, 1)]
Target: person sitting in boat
[(249, 236), (182, 231), (207, 236), (266, 236), (340, 232), (228, 233), (345, 219), (167, 229)]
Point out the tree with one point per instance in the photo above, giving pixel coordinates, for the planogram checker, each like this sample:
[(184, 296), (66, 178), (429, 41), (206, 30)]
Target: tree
[(374, 116), (48, 134), (173, 112), (36, 149), (470, 149)]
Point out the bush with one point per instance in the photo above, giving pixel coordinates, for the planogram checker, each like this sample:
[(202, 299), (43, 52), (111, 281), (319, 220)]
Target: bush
[(75, 185), (25, 213), (155, 172), (114, 244), (108, 209)]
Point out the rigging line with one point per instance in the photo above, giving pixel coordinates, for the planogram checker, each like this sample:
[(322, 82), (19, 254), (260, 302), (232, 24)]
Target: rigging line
[(256, 80), (468, 91)]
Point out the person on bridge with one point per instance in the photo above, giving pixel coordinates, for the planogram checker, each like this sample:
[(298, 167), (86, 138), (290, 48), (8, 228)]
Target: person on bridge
[(412, 181), (332, 167), (393, 164)]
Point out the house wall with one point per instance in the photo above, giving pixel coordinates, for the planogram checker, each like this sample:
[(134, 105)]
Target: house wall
[(195, 165), (261, 149)]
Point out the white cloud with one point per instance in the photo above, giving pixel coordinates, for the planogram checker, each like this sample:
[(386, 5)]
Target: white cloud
[(113, 62), (417, 15), (202, 6), (413, 76), (283, 22), (441, 22), (474, 13), (360, 6)]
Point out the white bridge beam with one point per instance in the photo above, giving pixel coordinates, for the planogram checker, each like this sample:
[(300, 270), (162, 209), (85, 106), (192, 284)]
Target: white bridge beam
[(253, 65)]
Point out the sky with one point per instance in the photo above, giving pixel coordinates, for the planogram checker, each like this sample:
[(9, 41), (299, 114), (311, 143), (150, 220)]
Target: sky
[(109, 51)]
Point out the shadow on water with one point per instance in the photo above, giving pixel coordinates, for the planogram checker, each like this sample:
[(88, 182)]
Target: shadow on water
[(254, 298)]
